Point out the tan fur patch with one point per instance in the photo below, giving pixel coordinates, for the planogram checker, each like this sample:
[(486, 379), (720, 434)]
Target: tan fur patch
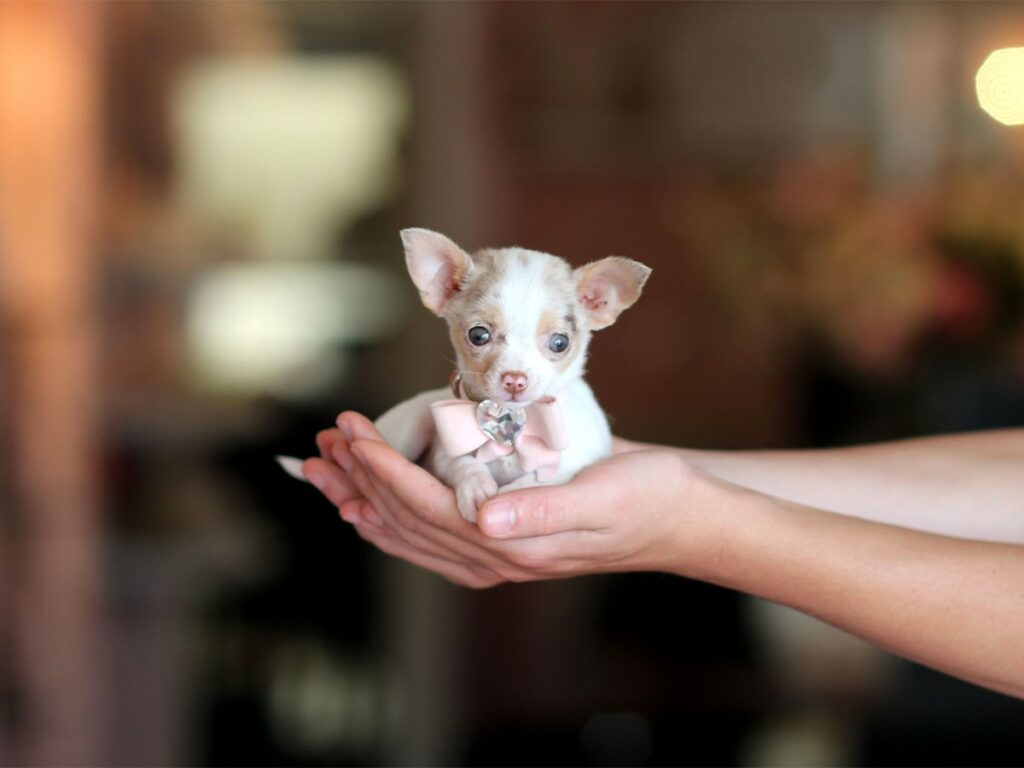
[(488, 273), (552, 322), (558, 275), (578, 344), (476, 362)]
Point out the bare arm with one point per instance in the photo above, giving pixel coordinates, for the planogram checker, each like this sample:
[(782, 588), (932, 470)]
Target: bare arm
[(969, 485), (952, 603)]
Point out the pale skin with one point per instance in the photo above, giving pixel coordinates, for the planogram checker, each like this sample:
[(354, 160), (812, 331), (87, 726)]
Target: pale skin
[(916, 546)]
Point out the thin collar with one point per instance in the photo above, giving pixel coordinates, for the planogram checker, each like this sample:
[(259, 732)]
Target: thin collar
[(455, 382)]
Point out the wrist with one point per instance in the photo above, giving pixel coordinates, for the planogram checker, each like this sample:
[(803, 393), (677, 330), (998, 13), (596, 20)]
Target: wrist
[(710, 519), (686, 506)]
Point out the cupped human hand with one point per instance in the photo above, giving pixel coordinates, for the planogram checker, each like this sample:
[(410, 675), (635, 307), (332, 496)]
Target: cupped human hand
[(627, 512)]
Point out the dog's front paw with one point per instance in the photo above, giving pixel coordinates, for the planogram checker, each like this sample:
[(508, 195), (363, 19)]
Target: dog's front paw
[(472, 491), (529, 480)]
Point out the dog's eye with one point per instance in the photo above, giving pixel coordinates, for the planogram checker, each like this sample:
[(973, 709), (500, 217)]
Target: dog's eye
[(558, 343), (478, 335)]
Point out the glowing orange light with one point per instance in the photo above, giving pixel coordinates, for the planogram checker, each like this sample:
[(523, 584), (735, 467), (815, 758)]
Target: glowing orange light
[(1000, 85)]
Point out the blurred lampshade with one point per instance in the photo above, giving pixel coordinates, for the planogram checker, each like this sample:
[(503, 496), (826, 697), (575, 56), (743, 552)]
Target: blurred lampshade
[(280, 327), (284, 153)]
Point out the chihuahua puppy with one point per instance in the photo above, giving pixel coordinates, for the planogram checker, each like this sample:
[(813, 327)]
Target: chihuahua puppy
[(520, 322)]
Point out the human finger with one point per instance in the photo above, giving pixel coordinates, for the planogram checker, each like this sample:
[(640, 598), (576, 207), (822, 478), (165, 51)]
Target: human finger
[(354, 426), (407, 526), (622, 445), (374, 499), (413, 486), (325, 440), (349, 510), (331, 481), (338, 486), (428, 514), (644, 483), (545, 510), (370, 516), (454, 571), (360, 511)]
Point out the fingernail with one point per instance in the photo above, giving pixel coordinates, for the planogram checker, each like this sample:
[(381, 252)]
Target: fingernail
[(345, 459), (346, 430), (499, 518), (318, 480)]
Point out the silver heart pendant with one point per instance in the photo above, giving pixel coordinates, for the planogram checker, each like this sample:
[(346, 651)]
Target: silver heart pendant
[(502, 422)]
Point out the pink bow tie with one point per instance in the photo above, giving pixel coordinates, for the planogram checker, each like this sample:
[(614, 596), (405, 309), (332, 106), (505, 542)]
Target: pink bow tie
[(493, 430)]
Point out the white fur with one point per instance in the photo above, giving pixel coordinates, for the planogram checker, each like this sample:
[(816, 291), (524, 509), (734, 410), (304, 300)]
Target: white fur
[(590, 440), (519, 285)]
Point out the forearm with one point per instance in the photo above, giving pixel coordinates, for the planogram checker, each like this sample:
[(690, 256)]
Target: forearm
[(960, 485), (952, 604)]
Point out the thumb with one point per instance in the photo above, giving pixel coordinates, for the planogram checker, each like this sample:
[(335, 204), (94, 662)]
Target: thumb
[(539, 511)]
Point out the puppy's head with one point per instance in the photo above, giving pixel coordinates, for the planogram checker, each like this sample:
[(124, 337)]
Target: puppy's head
[(520, 320)]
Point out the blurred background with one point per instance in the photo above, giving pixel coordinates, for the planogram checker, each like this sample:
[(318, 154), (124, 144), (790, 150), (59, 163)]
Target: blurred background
[(200, 267)]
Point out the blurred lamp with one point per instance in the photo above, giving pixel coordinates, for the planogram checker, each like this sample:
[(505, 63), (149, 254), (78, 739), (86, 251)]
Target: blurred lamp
[(279, 156), (286, 152), (281, 327), (1000, 85)]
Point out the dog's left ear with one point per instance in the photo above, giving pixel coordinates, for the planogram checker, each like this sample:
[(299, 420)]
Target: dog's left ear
[(605, 288)]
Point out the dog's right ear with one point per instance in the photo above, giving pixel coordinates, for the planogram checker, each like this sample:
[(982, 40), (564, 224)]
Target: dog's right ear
[(437, 266)]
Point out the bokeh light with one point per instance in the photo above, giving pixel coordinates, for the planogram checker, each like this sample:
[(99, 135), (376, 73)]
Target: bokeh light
[(1000, 85)]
